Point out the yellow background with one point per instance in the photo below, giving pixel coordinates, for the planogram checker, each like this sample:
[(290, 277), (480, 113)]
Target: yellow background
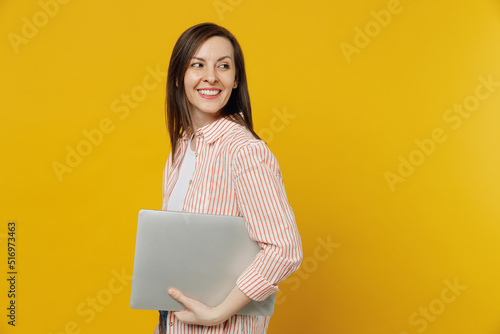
[(336, 122)]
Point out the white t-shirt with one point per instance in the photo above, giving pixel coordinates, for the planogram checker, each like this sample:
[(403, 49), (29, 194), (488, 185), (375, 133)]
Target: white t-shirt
[(186, 170)]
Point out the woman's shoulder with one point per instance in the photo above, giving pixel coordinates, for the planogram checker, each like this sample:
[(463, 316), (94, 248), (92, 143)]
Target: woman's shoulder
[(239, 137), (249, 153), (242, 145)]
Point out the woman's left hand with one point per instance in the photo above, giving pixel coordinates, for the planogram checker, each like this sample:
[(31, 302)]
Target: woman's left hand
[(196, 312)]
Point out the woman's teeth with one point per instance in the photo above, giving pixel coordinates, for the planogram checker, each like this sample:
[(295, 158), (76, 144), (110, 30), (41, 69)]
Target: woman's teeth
[(210, 92)]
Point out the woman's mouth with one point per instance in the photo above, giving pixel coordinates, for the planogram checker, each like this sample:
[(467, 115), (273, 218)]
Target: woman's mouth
[(209, 93)]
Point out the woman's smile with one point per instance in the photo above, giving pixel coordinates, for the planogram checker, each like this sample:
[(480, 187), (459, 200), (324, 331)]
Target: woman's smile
[(209, 93)]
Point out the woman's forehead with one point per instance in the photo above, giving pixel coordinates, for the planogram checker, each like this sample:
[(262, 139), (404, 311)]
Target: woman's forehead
[(214, 48)]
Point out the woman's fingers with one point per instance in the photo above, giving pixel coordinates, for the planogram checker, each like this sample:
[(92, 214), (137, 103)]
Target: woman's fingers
[(195, 312), (177, 295), (185, 315)]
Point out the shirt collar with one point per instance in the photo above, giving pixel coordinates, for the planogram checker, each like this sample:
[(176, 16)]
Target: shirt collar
[(213, 131)]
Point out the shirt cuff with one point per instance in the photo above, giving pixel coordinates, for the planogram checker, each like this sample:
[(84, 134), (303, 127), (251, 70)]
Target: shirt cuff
[(254, 285)]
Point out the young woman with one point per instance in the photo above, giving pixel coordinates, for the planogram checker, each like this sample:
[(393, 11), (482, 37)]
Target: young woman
[(218, 165)]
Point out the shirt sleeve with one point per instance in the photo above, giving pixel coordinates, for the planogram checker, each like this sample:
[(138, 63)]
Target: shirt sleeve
[(269, 219)]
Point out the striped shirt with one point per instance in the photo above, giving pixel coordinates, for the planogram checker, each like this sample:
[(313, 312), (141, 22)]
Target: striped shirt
[(236, 174)]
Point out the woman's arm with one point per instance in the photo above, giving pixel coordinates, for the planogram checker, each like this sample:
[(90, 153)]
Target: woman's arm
[(200, 314), (270, 221), (262, 200)]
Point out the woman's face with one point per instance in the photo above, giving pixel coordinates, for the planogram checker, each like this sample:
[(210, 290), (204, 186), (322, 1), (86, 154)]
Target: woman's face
[(210, 79)]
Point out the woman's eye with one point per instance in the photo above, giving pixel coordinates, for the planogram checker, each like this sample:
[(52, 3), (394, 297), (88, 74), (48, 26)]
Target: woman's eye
[(224, 65), (196, 64)]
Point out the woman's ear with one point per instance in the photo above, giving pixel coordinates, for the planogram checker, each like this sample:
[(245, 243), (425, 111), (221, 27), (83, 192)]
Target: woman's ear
[(235, 84)]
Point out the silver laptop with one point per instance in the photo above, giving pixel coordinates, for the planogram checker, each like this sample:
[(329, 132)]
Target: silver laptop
[(200, 255)]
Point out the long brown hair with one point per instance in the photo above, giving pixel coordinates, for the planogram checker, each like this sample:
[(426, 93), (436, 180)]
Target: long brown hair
[(177, 114)]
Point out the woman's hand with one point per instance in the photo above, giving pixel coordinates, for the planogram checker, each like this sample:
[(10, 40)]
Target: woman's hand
[(200, 314), (195, 312)]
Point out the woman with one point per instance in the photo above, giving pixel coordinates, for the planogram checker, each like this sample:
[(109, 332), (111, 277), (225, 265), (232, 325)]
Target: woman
[(218, 165)]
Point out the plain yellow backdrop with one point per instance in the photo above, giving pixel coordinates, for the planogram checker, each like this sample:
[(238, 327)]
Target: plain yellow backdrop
[(383, 114)]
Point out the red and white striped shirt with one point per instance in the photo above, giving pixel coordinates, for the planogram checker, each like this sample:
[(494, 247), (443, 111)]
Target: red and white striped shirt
[(236, 174)]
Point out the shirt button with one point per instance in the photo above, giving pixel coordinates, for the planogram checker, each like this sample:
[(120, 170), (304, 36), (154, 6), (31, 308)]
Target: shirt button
[(182, 210), (200, 133), (190, 181), (170, 323), (196, 154)]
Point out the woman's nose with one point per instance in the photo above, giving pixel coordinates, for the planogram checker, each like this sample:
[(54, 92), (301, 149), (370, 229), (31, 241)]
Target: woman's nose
[(210, 76)]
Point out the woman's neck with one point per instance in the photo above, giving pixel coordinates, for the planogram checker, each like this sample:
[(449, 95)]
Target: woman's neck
[(199, 120)]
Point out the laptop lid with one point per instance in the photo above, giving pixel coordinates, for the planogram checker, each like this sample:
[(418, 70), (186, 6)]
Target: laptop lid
[(200, 255)]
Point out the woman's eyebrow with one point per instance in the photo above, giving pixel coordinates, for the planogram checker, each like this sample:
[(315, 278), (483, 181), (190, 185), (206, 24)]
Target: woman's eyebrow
[(221, 58)]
